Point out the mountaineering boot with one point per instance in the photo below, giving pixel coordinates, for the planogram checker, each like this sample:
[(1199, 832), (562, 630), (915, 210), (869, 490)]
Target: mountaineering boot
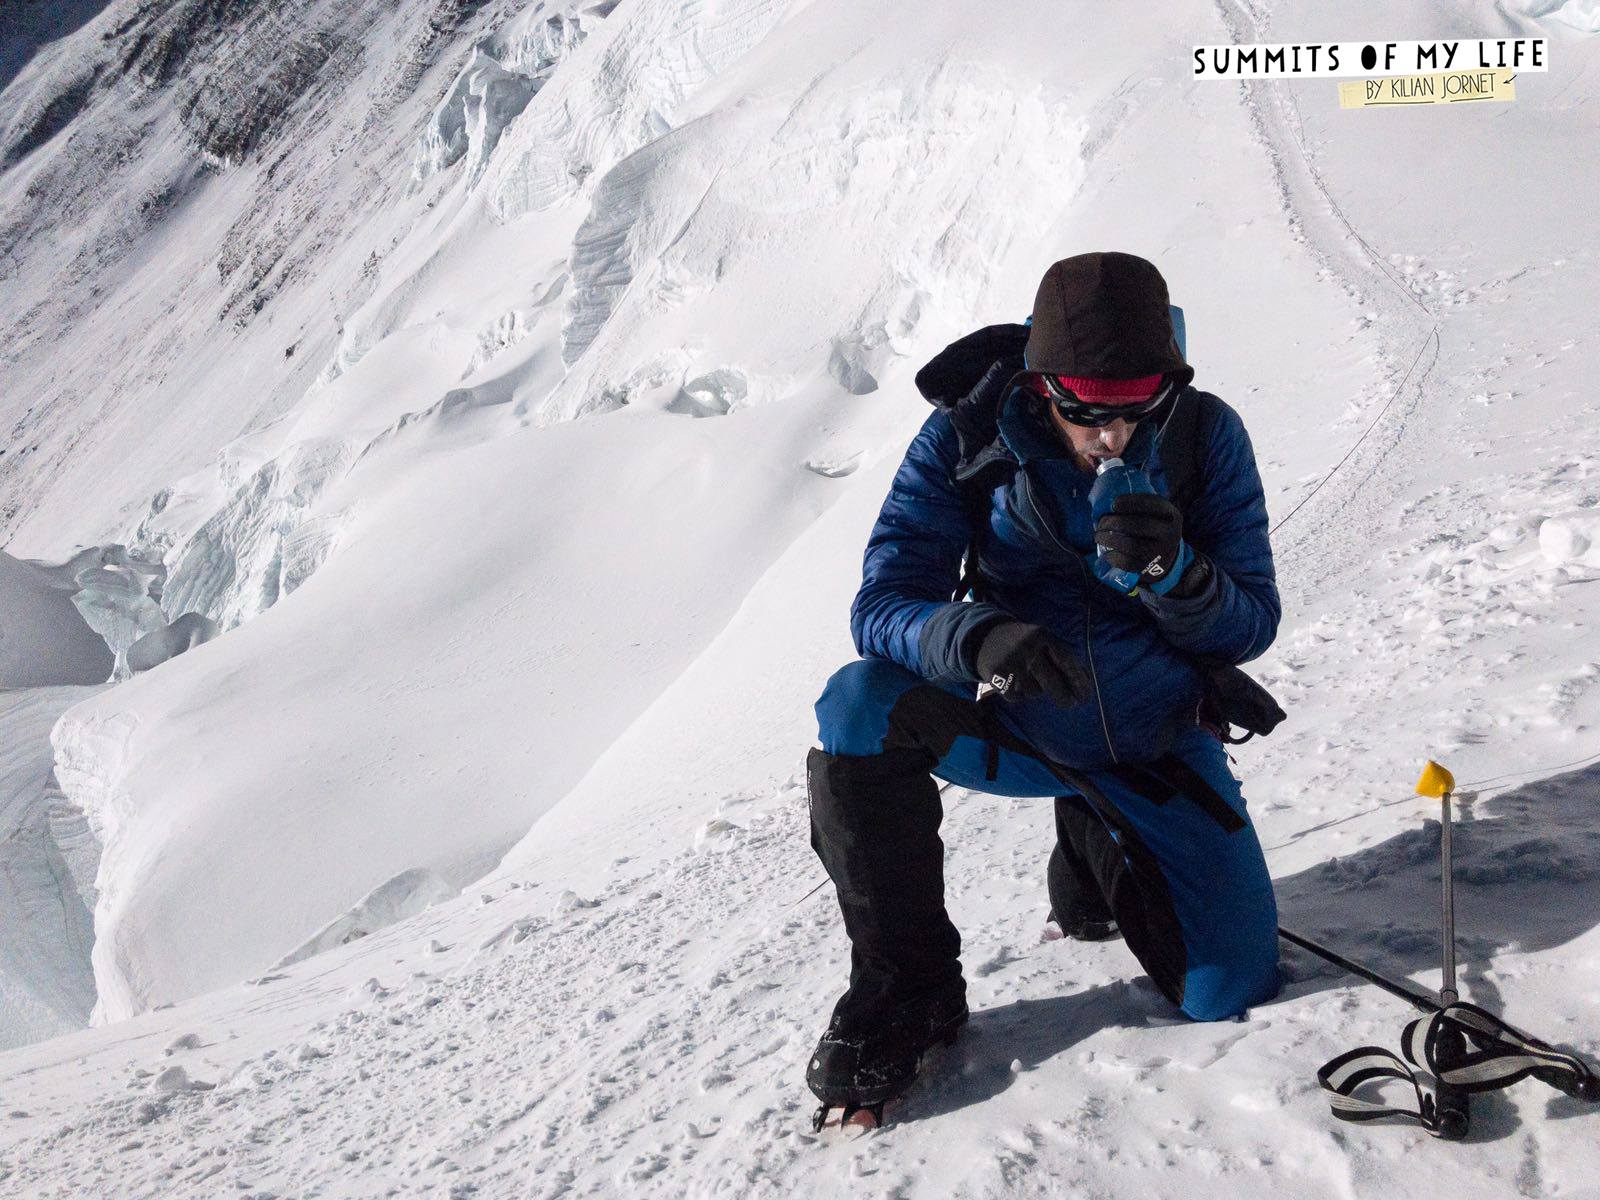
[(862, 1062), (875, 826), (1077, 904)]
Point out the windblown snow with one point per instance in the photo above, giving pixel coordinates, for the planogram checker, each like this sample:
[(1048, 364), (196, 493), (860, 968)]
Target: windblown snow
[(440, 441)]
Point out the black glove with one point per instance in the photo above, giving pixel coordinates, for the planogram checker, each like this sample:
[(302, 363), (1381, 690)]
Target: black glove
[(1022, 661), (1143, 534)]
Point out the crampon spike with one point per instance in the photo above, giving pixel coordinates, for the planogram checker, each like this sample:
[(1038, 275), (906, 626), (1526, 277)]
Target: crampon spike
[(863, 1116), (859, 1116)]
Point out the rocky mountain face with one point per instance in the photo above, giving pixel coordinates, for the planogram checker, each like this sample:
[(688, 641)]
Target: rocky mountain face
[(172, 171)]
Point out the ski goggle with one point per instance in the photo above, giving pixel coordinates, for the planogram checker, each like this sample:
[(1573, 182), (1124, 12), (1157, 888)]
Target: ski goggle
[(1078, 411)]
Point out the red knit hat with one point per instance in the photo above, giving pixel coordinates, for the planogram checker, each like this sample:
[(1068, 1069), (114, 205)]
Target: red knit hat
[(1110, 392)]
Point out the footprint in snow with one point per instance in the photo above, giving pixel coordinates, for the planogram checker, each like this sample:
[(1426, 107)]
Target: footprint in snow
[(997, 961)]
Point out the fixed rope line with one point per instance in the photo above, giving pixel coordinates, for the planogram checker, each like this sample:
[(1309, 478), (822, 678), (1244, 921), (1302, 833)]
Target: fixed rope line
[(1433, 335), (1494, 782)]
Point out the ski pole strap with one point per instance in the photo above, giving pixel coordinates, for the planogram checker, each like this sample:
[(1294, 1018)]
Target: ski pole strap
[(1500, 1056), (1342, 1076)]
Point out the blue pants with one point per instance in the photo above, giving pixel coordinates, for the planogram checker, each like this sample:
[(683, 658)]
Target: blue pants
[(1169, 841)]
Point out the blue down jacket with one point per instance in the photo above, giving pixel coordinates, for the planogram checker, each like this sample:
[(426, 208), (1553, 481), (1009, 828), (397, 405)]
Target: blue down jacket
[(1142, 649)]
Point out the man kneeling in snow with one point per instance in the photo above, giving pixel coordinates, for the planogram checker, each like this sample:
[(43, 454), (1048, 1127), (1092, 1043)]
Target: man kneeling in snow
[(1104, 597)]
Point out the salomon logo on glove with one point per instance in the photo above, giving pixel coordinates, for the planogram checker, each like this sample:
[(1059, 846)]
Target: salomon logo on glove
[(1023, 661)]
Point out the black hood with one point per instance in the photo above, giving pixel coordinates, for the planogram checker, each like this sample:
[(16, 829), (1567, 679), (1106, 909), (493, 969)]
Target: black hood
[(1105, 316)]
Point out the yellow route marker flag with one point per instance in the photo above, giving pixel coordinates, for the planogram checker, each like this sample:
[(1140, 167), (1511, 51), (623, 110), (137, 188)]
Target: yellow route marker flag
[(1435, 781)]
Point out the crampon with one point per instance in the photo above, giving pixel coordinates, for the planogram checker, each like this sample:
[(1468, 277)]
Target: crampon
[(865, 1117)]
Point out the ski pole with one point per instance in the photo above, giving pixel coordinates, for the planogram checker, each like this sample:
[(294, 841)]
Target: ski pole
[(1452, 1106), (1578, 1086), (1433, 776), (1504, 1055), (1410, 995)]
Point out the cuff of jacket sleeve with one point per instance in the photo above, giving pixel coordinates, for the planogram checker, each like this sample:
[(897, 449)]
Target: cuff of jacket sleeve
[(975, 633), (1183, 611), (950, 638), (1185, 568)]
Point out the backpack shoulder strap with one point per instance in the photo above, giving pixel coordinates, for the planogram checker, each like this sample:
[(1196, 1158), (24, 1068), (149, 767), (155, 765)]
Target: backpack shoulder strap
[(1184, 439), (976, 481), (968, 379)]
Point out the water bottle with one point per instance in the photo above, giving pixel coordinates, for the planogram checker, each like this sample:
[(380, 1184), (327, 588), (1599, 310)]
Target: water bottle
[(1114, 478)]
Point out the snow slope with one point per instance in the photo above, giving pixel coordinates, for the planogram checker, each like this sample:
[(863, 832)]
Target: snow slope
[(504, 617)]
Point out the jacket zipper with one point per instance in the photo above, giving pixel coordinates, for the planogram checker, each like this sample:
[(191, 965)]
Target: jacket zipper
[(1088, 646), (1088, 611)]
